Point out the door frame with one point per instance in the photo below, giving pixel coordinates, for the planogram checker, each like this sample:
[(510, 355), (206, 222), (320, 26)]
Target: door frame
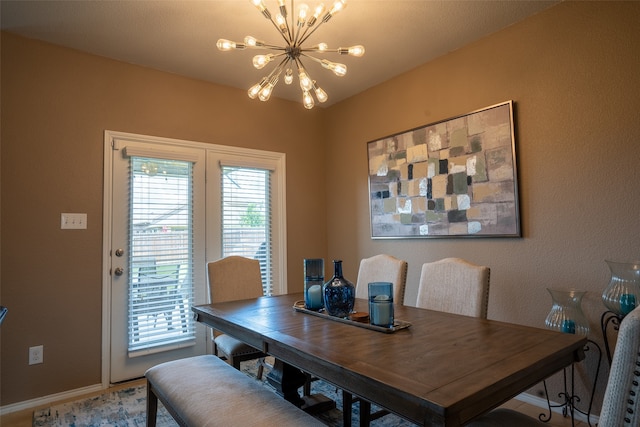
[(278, 223)]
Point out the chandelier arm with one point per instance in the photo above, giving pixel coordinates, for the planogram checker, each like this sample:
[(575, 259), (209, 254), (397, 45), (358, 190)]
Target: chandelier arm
[(266, 47), (315, 49), (313, 30), (290, 27), (295, 42), (278, 69), (304, 35), (275, 24), (299, 64), (289, 33), (337, 68), (289, 37), (319, 61)]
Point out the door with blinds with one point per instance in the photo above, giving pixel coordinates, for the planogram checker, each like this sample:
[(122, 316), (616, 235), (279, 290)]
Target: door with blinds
[(157, 255)]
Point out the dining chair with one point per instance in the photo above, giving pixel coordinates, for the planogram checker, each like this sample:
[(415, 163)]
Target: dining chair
[(454, 285), (235, 278), (621, 402), (378, 268), (382, 268)]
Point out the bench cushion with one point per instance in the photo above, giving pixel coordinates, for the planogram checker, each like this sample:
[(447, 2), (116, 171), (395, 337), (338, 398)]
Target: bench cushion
[(206, 391)]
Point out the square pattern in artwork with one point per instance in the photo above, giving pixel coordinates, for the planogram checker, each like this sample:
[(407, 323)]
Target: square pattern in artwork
[(454, 178)]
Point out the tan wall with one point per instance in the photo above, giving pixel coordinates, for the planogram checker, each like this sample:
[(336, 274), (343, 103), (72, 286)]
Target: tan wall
[(573, 72), (56, 104)]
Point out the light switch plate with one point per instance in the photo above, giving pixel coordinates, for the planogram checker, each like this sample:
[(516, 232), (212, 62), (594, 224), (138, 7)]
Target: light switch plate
[(73, 221)]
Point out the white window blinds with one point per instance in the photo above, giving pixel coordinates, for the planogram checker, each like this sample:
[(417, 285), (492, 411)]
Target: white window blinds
[(246, 217), (161, 254)]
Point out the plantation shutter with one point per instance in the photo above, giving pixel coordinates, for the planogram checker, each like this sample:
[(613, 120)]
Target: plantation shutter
[(161, 290), (246, 217)]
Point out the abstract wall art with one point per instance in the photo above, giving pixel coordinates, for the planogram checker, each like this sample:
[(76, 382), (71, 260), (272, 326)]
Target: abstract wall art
[(453, 178)]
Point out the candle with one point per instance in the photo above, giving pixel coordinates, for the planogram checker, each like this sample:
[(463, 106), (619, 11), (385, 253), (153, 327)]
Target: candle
[(568, 326), (381, 311), (314, 297), (627, 303)]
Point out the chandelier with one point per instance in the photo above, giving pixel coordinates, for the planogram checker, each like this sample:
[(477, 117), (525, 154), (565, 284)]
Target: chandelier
[(295, 31)]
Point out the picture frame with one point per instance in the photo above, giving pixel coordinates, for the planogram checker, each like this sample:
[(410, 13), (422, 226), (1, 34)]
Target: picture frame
[(448, 179)]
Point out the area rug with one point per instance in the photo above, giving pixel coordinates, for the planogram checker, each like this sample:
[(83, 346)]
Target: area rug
[(122, 408), (127, 408)]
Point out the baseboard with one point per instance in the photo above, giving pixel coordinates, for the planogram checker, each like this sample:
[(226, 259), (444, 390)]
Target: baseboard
[(542, 404), (41, 401)]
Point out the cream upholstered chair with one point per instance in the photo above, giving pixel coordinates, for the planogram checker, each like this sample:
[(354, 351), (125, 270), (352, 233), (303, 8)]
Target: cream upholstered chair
[(382, 268), (453, 285), (378, 268), (235, 278), (621, 403)]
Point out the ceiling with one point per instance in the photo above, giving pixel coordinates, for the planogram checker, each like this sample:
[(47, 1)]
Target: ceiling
[(179, 36)]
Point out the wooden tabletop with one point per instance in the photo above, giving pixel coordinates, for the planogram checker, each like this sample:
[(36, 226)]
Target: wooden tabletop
[(444, 370)]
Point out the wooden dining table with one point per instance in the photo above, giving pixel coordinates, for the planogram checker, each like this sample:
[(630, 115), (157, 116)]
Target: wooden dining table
[(442, 370)]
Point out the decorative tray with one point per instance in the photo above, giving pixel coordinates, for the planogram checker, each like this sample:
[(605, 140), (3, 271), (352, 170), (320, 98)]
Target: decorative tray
[(397, 324)]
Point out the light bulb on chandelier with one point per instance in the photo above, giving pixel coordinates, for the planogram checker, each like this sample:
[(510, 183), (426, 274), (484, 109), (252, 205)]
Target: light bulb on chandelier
[(294, 32)]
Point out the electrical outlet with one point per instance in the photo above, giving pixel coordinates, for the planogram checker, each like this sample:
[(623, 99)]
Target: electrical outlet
[(36, 354)]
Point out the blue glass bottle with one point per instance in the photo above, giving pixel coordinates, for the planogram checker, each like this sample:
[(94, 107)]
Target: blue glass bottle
[(339, 293)]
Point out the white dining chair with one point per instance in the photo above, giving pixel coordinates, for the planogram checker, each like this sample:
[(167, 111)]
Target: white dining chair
[(454, 285), (378, 268), (621, 403), (235, 278)]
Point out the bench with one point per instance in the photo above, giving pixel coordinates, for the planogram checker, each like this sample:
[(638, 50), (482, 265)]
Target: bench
[(206, 391)]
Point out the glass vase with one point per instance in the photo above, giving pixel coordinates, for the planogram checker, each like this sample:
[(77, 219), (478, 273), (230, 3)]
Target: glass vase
[(339, 293), (313, 282), (566, 313), (622, 294)]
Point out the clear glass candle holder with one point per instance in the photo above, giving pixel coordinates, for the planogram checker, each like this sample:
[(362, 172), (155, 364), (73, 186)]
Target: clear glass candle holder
[(566, 313), (622, 294)]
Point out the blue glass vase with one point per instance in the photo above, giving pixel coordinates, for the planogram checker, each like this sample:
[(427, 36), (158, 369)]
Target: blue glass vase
[(339, 293)]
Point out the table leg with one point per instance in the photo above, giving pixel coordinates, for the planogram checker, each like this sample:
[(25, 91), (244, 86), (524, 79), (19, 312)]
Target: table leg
[(287, 379)]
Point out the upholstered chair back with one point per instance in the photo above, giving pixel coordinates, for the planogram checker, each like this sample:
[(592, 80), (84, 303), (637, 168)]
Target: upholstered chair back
[(621, 404), (453, 285), (382, 268), (234, 278)]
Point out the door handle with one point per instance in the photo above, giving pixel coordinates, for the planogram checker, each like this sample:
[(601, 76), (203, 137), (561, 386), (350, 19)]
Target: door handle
[(119, 271)]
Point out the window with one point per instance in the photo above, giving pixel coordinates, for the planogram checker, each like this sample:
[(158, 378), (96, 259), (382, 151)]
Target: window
[(246, 217), (161, 248)]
